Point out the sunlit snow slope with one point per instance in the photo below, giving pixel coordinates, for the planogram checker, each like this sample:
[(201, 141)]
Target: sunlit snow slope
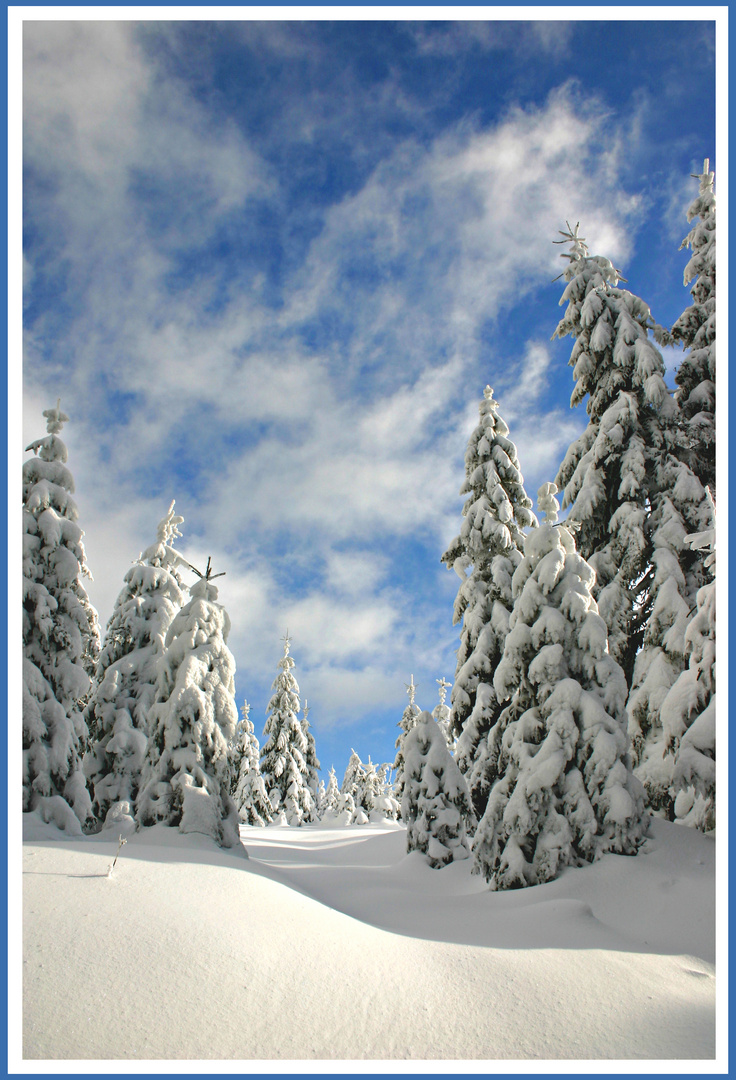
[(332, 944)]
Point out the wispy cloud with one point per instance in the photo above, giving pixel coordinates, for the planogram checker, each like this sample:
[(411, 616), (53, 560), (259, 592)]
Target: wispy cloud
[(549, 37)]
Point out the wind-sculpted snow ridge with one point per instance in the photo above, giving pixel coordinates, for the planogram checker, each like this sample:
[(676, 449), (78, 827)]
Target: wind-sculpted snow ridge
[(333, 945)]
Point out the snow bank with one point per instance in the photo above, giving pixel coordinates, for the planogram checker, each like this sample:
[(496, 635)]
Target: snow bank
[(333, 945)]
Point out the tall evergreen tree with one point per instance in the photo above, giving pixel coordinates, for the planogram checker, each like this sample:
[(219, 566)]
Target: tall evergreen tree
[(678, 507), (128, 670), (696, 330), (60, 636), (186, 774), (484, 556), (563, 791), (284, 755), (609, 473), (406, 723), (689, 709), (249, 790), (668, 590), (436, 802)]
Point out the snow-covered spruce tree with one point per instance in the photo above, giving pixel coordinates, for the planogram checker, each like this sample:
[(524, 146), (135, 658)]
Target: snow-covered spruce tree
[(249, 790), (284, 755), (436, 802), (689, 710), (332, 795), (387, 806), (484, 556), (345, 812), (352, 784), (313, 765), (609, 473), (321, 796), (186, 774), (696, 330), (127, 671), (367, 788), (668, 592), (441, 714), (563, 791), (406, 723), (678, 507), (60, 636)]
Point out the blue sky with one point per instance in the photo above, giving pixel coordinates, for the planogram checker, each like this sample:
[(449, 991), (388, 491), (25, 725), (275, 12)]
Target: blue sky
[(269, 268)]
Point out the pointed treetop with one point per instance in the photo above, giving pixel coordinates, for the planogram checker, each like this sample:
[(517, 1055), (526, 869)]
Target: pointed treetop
[(207, 575), (245, 709), (444, 686), (411, 689), (579, 252), (167, 527), (306, 711), (487, 403), (706, 179), (287, 642), (579, 249), (55, 418), (547, 502)]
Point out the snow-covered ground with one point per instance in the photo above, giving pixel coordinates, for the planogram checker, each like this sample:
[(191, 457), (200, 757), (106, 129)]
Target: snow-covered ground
[(331, 944)]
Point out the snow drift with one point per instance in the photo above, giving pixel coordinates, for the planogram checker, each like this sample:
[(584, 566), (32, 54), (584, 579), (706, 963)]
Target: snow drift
[(333, 945)]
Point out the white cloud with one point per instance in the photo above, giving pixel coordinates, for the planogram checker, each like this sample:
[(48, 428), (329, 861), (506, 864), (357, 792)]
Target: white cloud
[(351, 573)]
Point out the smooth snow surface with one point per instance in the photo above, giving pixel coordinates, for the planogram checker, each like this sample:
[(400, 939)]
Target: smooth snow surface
[(332, 944)]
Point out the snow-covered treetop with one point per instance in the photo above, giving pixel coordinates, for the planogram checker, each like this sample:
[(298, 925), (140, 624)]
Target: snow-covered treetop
[(547, 503), (55, 418), (167, 527), (612, 353), (50, 448), (444, 686), (706, 196), (601, 267), (286, 663), (161, 553), (245, 710), (203, 587), (701, 265), (701, 239), (411, 689), (497, 508)]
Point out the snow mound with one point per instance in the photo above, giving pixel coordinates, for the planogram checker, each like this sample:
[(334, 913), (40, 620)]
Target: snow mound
[(179, 954)]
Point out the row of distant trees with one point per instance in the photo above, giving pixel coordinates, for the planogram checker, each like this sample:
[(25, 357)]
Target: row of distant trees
[(584, 695)]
